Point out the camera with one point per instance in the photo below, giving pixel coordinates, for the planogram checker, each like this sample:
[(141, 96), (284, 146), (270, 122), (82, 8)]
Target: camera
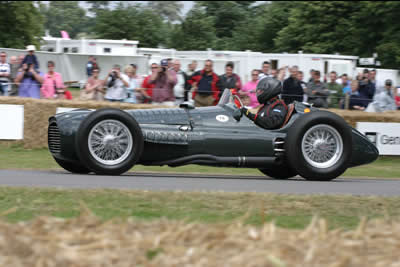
[(28, 74), (113, 76)]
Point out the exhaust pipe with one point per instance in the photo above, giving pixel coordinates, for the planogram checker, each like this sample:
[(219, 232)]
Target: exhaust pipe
[(240, 161)]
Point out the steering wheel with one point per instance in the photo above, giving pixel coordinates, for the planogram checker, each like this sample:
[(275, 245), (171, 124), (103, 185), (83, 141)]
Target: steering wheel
[(237, 115), (239, 102)]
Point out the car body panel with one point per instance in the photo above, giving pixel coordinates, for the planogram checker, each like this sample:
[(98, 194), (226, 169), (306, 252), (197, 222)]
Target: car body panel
[(175, 133)]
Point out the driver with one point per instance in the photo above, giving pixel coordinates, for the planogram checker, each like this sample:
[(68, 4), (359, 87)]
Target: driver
[(272, 113)]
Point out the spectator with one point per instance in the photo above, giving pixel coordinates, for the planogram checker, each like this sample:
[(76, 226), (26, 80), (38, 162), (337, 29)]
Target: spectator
[(170, 63), (20, 59), (30, 81), (229, 80), (192, 67), (182, 87), (356, 102), (134, 84), (139, 92), (274, 73), (205, 87), (53, 86), (312, 73), (317, 92), (383, 101), (14, 66), (31, 58), (292, 90), (264, 70), (300, 77), (148, 87), (164, 81), (248, 92), (94, 87), (345, 84), (335, 89), (91, 65), (379, 85), (4, 74), (116, 85), (366, 88), (281, 74)]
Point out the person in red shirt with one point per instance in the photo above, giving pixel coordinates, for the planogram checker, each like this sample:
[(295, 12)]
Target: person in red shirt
[(204, 83), (148, 92)]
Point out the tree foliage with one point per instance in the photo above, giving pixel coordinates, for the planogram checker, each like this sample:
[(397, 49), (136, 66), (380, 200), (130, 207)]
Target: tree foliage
[(21, 24), (168, 10), (130, 23), (195, 33), (65, 16)]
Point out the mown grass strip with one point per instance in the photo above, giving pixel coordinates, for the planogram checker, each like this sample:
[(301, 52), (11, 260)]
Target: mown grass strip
[(286, 210)]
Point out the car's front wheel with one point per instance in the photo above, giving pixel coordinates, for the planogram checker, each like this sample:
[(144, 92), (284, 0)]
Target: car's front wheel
[(72, 167), (319, 146), (109, 141)]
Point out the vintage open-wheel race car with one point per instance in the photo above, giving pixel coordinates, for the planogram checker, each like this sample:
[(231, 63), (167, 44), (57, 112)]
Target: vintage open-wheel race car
[(315, 144)]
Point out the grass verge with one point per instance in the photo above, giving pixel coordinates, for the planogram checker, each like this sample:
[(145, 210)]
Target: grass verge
[(289, 211), (15, 157)]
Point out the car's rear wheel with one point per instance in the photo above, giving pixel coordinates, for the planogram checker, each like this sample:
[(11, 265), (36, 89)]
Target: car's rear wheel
[(109, 141), (319, 146), (279, 173), (72, 167)]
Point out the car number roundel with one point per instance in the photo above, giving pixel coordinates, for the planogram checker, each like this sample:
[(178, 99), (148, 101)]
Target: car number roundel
[(222, 118)]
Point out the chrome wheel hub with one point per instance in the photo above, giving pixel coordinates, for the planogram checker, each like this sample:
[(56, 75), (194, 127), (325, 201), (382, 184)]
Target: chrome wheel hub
[(110, 142), (322, 146)]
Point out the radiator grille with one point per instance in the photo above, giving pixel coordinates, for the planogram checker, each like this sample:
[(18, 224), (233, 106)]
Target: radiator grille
[(279, 146), (54, 139)]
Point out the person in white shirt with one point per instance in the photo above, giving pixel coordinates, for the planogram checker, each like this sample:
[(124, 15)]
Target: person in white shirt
[(4, 74), (116, 83), (181, 87), (265, 70)]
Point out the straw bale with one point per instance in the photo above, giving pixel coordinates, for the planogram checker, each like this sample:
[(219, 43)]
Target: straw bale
[(38, 111), (88, 241)]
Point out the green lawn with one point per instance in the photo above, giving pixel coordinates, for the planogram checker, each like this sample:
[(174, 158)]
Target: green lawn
[(15, 157), (289, 211)]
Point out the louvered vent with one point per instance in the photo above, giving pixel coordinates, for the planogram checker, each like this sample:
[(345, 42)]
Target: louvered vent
[(54, 139)]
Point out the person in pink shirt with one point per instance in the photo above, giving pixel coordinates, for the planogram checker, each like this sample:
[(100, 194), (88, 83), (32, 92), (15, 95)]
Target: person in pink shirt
[(53, 85), (248, 92)]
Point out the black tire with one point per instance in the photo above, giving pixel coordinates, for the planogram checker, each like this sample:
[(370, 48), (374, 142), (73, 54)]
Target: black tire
[(72, 167), (319, 120), (132, 155), (281, 173)]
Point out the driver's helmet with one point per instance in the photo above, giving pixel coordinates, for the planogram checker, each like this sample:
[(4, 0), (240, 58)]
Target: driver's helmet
[(268, 88)]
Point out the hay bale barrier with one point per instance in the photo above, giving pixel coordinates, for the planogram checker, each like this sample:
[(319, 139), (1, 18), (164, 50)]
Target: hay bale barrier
[(88, 241), (38, 111)]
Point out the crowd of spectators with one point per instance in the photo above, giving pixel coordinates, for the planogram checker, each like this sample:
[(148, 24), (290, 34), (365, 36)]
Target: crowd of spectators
[(169, 84)]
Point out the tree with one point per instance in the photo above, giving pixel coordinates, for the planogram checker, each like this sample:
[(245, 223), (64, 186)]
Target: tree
[(320, 27), (65, 16), (96, 6), (21, 24), (130, 23), (227, 15), (168, 10), (195, 33), (258, 31)]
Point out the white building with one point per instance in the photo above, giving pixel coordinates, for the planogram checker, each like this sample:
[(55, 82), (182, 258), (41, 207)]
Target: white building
[(90, 47), (245, 61), (248, 60)]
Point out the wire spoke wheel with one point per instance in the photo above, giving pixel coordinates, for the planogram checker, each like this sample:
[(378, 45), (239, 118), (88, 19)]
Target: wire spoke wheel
[(322, 146), (110, 142)]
